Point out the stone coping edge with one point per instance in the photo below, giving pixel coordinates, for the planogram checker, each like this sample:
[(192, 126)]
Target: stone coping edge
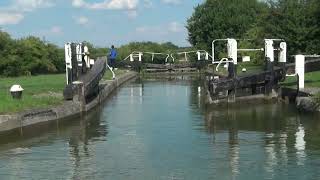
[(67, 109)]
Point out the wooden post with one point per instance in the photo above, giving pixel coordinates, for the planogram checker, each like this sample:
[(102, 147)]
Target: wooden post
[(270, 78), (232, 74), (253, 89), (81, 95)]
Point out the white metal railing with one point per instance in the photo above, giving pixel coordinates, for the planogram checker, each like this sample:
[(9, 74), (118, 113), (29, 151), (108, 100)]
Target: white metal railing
[(199, 53), (223, 60), (312, 56), (299, 69), (212, 47), (155, 53), (139, 54), (248, 50), (113, 74)]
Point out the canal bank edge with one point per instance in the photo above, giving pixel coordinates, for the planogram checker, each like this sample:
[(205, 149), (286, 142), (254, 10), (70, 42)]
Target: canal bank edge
[(67, 109), (304, 100), (308, 103)]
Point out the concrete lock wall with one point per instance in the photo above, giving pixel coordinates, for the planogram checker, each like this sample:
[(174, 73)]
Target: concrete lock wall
[(67, 109)]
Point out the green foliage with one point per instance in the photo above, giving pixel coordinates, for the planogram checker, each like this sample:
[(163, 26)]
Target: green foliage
[(96, 51), (166, 48), (295, 21), (215, 19), (125, 50), (316, 98), (29, 56)]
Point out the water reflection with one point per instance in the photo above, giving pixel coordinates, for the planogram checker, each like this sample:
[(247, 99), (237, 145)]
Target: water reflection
[(300, 145), (78, 133), (271, 159), (280, 131), (162, 129)]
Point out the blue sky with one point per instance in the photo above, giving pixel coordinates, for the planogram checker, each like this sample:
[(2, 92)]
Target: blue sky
[(101, 22)]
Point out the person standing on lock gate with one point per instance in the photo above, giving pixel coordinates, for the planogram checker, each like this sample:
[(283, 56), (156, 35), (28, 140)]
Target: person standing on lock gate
[(112, 57)]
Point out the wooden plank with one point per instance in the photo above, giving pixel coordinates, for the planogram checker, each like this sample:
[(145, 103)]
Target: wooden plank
[(247, 81), (90, 81)]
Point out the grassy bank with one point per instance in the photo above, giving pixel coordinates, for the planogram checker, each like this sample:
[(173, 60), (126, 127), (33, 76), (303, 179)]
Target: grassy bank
[(250, 69), (118, 72), (39, 91), (312, 79)]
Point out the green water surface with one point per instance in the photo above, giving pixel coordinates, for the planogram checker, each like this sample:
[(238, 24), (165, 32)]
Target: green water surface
[(161, 129)]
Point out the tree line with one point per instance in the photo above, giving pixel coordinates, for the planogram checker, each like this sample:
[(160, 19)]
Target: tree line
[(295, 21), (32, 56), (29, 56)]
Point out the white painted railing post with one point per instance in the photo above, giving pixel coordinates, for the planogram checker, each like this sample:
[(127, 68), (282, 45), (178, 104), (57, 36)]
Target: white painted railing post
[(232, 46), (140, 56), (283, 52), (199, 55), (67, 48), (269, 49), (300, 69), (131, 58)]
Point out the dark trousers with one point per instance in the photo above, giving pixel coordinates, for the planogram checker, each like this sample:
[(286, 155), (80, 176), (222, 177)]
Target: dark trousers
[(112, 63)]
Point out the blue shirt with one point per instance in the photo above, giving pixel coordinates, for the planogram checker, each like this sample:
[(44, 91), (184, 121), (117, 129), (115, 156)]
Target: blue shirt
[(113, 54)]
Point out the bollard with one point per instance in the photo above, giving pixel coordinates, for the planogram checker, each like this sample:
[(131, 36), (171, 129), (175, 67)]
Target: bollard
[(300, 69), (16, 91), (81, 94)]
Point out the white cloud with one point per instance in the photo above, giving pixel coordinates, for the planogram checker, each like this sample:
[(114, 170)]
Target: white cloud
[(132, 14), (148, 3), (173, 2), (142, 29), (107, 4), (81, 20), (30, 5), (56, 30), (10, 18), (78, 3), (175, 27), (14, 13), (169, 32)]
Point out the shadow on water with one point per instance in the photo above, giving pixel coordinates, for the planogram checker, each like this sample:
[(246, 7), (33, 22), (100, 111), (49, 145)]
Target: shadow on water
[(77, 129), (196, 139)]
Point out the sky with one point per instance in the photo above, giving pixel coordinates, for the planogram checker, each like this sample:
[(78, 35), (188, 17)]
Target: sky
[(101, 22)]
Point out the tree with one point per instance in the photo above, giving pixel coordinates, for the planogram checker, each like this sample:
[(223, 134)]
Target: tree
[(29, 56), (295, 21), (215, 19)]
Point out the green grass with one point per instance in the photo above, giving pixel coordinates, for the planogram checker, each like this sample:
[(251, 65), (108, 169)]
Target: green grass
[(312, 79), (118, 72), (250, 69), (39, 92)]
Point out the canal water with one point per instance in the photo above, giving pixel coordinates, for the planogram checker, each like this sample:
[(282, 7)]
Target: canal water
[(161, 129)]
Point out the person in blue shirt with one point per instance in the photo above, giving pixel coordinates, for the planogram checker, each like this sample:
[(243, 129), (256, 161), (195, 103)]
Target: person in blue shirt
[(112, 57)]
